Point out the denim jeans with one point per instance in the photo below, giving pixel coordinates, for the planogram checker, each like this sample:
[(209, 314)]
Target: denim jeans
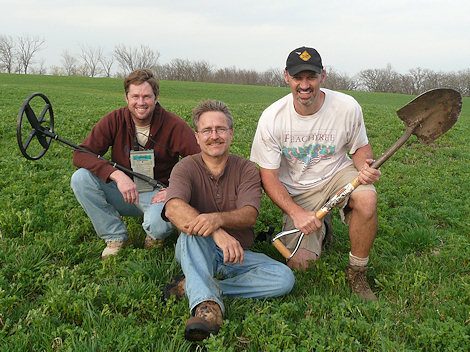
[(258, 277), (104, 205)]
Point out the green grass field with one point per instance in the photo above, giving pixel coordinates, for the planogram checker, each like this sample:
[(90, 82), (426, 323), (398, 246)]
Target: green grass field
[(57, 295)]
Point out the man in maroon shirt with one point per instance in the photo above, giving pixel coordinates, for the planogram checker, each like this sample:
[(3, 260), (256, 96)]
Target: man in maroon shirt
[(214, 200), (106, 193)]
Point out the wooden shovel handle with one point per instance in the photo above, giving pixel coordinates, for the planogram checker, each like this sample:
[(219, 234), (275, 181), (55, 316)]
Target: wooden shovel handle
[(281, 248)]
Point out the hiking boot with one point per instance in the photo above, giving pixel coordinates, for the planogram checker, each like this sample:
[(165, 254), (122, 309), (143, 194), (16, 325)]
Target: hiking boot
[(150, 242), (175, 288), (357, 281), (112, 248), (207, 320)]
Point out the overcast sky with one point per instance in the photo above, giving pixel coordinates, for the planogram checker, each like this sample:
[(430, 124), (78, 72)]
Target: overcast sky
[(351, 35)]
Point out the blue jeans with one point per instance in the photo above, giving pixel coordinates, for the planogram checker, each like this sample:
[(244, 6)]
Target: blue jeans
[(258, 277), (104, 205)]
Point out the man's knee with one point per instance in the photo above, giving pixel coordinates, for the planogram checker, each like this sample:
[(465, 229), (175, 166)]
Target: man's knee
[(286, 283), (280, 278), (80, 178), (158, 228), (302, 259), (364, 202)]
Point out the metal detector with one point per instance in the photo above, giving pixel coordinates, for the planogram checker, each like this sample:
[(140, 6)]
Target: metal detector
[(428, 117), (39, 138)]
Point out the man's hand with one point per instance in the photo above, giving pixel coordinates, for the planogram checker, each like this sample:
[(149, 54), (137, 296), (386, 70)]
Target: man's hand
[(159, 197), (126, 186), (306, 221), (368, 175), (233, 251), (204, 224)]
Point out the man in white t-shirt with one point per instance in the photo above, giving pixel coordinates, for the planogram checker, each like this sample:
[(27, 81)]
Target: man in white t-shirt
[(301, 145)]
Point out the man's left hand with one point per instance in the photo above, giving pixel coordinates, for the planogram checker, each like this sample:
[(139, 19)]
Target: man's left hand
[(159, 197), (368, 175), (233, 251), (204, 224)]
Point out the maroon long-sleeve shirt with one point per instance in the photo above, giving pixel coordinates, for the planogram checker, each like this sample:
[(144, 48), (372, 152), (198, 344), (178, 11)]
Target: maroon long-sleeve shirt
[(170, 137)]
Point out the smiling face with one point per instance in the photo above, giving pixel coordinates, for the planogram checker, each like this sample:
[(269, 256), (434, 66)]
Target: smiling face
[(305, 87), (214, 134), (141, 101)]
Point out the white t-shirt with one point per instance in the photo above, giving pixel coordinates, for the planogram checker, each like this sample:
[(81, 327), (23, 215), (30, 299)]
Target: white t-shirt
[(308, 150)]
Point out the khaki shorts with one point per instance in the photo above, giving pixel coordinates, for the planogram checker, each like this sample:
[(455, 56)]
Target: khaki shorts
[(314, 200)]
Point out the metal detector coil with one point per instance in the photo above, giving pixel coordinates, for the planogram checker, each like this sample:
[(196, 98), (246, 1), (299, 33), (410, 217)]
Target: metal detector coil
[(42, 133)]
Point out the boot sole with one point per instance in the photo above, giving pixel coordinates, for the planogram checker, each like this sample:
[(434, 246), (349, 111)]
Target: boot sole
[(197, 332)]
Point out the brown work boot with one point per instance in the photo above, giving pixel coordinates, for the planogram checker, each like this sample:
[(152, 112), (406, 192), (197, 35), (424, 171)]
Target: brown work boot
[(175, 288), (112, 248), (207, 320), (357, 280), (150, 242)]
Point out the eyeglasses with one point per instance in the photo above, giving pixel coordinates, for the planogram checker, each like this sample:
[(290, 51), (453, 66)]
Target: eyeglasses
[(219, 130)]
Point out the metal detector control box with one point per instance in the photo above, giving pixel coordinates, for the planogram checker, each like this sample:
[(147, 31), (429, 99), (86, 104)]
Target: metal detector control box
[(143, 162)]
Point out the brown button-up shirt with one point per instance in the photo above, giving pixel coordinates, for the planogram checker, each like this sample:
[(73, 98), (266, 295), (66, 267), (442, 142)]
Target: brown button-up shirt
[(239, 185)]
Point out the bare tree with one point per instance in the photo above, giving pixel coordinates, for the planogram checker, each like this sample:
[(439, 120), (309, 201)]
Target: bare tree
[(179, 70), (27, 47), (418, 78), (91, 58), (225, 75), (41, 69), (464, 82), (379, 80), (339, 81), (131, 59), (7, 53), (107, 64), (69, 63), (202, 71), (57, 71), (273, 77)]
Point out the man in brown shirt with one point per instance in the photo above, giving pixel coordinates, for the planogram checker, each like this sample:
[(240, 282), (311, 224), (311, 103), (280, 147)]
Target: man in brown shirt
[(214, 200), (106, 193)]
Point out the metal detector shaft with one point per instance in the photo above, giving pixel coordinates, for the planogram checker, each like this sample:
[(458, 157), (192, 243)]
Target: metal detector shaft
[(40, 132), (154, 183)]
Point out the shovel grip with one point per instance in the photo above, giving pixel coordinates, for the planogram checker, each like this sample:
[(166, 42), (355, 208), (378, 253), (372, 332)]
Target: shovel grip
[(281, 248)]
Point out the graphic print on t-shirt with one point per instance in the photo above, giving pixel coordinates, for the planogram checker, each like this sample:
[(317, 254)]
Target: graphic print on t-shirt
[(310, 148)]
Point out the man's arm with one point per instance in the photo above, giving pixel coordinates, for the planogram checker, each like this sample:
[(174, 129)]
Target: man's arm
[(304, 220), (181, 214), (206, 224), (362, 159), (187, 219), (98, 141)]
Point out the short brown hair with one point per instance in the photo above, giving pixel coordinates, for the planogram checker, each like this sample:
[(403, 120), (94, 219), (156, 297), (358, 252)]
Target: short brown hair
[(140, 76), (212, 105)]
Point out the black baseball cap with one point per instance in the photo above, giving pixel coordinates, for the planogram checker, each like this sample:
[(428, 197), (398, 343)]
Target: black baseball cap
[(304, 59)]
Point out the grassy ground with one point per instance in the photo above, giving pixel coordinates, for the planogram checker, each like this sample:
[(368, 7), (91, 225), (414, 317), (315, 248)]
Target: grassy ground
[(57, 295)]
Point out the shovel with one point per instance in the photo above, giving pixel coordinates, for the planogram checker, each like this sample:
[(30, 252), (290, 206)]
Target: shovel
[(428, 117)]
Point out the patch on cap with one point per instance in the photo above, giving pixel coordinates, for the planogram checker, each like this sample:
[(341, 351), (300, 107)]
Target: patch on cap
[(305, 56)]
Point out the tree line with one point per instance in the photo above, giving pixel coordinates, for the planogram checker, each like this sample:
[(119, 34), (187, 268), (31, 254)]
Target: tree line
[(19, 55)]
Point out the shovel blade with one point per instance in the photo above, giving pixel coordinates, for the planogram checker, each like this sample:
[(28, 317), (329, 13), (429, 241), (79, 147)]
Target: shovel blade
[(432, 113)]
